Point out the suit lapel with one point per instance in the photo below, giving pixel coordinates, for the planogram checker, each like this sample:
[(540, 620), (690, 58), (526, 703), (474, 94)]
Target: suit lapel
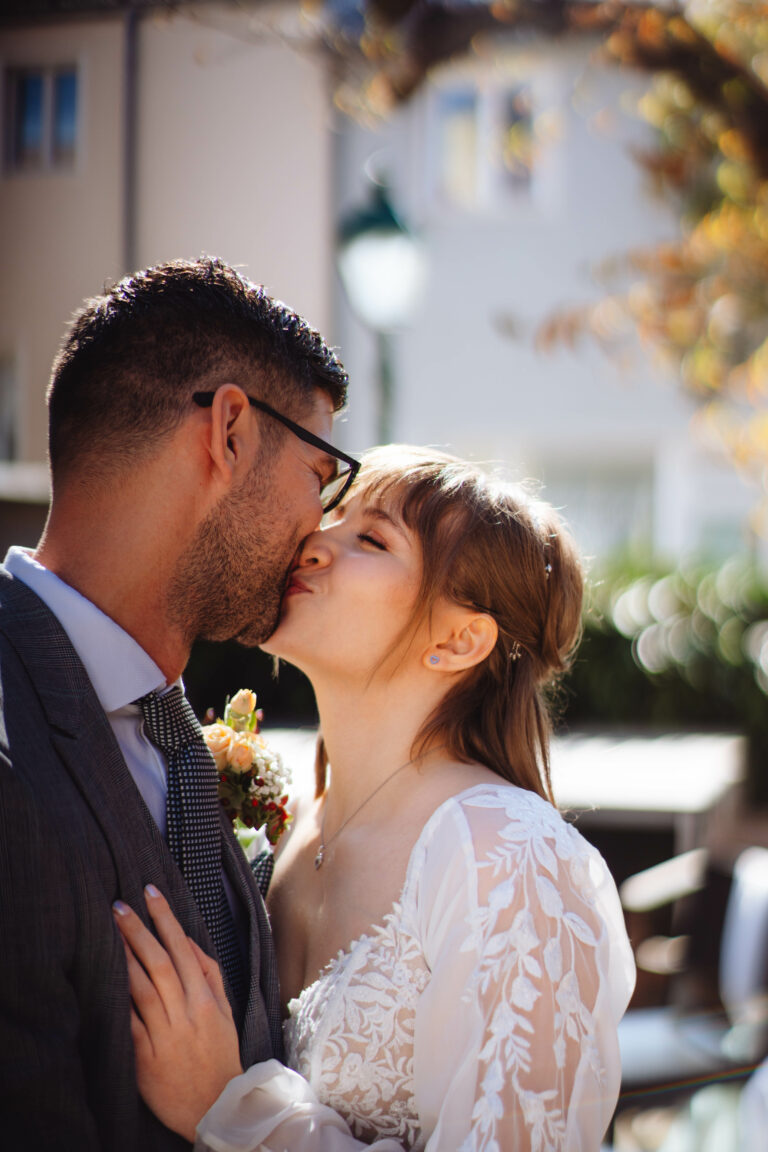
[(139, 852), (86, 745), (263, 988)]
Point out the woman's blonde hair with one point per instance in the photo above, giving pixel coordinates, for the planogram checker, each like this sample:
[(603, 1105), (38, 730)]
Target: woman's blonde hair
[(490, 545)]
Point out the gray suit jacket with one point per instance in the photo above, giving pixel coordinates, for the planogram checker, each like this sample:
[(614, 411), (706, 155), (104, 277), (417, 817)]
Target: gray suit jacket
[(75, 835)]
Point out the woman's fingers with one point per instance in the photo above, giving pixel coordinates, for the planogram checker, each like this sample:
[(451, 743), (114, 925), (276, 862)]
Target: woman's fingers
[(158, 973), (212, 974), (146, 999), (142, 1040), (172, 975), (178, 944)]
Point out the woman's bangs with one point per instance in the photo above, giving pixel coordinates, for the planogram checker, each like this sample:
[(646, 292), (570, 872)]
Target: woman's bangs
[(412, 484)]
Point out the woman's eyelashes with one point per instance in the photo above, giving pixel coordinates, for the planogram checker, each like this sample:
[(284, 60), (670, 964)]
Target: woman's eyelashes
[(365, 538)]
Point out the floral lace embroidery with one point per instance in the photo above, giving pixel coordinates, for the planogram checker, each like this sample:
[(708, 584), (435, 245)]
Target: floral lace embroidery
[(521, 878), (533, 980), (351, 1032)]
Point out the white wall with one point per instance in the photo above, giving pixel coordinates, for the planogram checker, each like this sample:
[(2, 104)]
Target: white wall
[(234, 154)]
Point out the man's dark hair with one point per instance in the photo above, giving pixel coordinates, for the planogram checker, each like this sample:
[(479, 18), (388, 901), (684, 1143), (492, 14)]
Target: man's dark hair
[(124, 376)]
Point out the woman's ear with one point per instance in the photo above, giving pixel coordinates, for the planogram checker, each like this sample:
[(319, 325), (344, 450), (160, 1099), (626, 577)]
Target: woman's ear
[(465, 639), (232, 435)]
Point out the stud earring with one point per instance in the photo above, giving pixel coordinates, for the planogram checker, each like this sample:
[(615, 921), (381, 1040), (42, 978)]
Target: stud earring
[(434, 659)]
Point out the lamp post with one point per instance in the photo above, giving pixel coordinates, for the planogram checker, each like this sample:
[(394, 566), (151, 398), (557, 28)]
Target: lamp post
[(382, 269)]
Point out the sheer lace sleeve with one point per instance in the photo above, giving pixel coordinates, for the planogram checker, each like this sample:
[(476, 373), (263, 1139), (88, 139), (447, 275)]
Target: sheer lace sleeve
[(516, 1044), (515, 1047)]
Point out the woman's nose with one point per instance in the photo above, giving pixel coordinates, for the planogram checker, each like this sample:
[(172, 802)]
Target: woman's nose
[(314, 552)]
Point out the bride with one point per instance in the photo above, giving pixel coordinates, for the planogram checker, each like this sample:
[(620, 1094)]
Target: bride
[(452, 954)]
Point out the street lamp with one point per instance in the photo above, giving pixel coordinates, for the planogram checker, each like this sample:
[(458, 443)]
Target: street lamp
[(382, 268)]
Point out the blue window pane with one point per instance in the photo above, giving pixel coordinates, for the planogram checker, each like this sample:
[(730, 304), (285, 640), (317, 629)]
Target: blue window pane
[(64, 115), (457, 102), (28, 142)]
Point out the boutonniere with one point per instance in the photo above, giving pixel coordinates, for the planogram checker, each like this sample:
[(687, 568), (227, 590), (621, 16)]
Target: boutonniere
[(253, 781)]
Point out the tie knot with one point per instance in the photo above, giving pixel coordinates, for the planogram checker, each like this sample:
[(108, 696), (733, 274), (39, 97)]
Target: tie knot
[(171, 724)]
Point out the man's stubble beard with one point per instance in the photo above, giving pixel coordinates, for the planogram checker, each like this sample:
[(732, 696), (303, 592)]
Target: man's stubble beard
[(229, 583)]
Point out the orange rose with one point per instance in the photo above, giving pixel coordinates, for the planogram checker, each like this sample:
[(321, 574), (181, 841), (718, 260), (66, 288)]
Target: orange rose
[(243, 703), (242, 751), (218, 737)]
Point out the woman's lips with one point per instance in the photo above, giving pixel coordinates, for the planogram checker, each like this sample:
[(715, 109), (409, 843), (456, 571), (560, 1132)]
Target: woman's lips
[(295, 586)]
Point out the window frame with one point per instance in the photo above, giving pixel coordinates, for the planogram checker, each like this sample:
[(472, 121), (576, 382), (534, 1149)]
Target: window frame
[(50, 157), (492, 189)]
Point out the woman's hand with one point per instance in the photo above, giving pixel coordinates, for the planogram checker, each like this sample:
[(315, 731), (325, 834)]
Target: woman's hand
[(183, 1033)]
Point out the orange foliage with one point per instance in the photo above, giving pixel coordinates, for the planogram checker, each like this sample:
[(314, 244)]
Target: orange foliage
[(702, 302)]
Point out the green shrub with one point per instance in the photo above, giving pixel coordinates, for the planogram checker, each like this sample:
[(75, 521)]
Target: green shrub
[(679, 650)]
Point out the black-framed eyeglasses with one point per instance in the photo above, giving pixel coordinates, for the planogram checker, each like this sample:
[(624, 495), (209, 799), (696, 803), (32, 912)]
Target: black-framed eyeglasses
[(337, 487)]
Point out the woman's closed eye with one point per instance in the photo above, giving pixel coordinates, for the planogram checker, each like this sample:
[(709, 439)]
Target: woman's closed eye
[(365, 538)]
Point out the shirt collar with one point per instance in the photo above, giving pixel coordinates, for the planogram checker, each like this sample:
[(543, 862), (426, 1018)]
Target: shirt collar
[(119, 668)]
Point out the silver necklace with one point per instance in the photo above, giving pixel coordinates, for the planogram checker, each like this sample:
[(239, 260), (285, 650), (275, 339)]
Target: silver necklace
[(320, 856)]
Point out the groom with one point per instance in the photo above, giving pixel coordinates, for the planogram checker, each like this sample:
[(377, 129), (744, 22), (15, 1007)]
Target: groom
[(189, 415)]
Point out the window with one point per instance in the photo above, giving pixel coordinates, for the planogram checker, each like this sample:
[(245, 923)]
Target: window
[(40, 118), (483, 143)]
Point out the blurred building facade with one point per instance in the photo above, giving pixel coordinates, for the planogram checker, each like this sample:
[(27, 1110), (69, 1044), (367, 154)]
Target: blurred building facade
[(515, 168), (143, 133)]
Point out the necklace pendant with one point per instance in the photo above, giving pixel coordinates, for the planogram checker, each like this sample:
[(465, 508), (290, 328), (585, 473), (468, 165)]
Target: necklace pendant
[(319, 857)]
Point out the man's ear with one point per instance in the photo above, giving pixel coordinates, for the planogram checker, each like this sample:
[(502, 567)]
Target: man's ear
[(461, 638), (232, 436)]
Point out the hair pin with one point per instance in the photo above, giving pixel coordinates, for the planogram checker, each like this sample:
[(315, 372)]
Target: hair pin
[(515, 650)]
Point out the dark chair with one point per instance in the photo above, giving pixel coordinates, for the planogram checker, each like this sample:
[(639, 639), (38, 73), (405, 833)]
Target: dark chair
[(715, 1025)]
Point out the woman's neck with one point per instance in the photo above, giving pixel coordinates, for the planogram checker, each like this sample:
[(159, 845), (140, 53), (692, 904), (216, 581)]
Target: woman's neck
[(369, 735)]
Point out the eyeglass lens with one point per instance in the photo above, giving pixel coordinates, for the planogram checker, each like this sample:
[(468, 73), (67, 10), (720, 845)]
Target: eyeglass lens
[(334, 490)]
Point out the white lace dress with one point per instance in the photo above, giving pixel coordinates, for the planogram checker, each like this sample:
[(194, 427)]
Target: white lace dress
[(481, 1014)]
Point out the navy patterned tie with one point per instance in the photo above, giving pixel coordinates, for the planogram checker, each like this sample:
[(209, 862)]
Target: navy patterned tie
[(193, 829)]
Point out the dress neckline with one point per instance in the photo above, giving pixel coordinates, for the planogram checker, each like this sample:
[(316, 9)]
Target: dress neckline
[(343, 955)]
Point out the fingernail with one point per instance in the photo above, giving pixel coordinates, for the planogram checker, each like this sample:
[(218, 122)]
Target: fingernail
[(151, 891), (120, 909)]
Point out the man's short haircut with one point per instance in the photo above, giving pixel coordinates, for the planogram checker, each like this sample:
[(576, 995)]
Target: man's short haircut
[(124, 376)]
